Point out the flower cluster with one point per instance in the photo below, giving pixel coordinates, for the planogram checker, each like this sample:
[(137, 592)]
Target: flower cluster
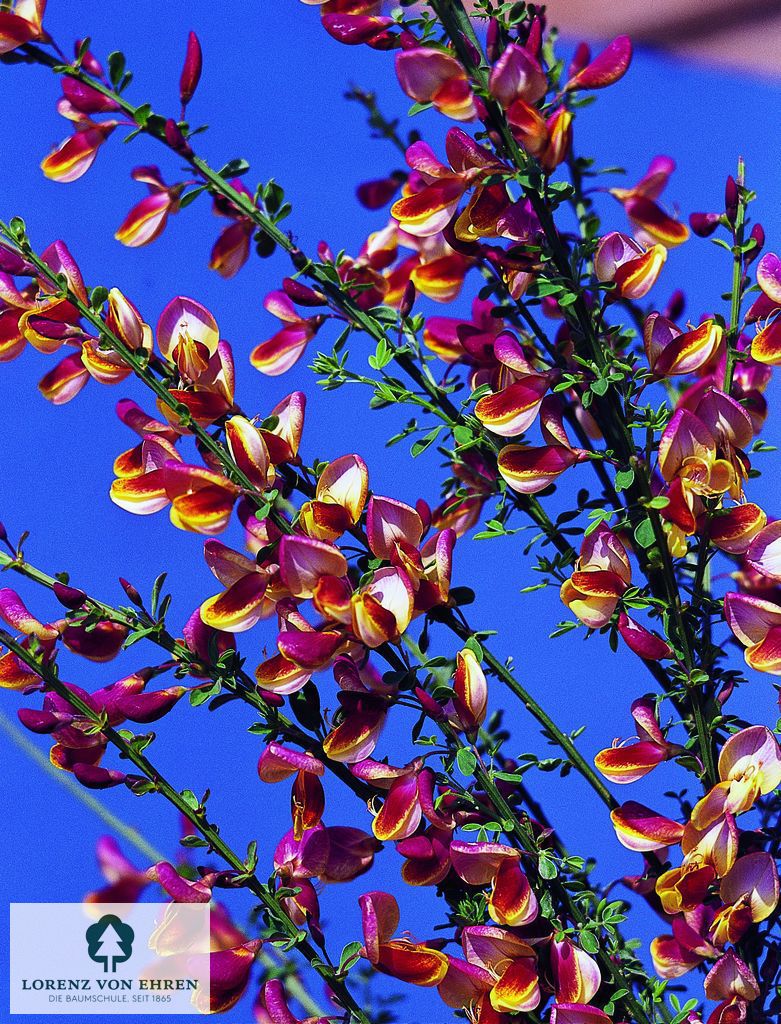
[(725, 882), (563, 374)]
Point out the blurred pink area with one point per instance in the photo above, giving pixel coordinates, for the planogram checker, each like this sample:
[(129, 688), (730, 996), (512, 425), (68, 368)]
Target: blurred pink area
[(741, 34)]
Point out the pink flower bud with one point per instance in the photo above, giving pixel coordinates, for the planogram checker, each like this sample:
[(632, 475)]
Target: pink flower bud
[(12, 263), (534, 38), (407, 300), (175, 139), (731, 199), (191, 72), (492, 42), (353, 29), (704, 224), (301, 293), (675, 305), (131, 592), (429, 705), (85, 99), (92, 776), (88, 61), (580, 59), (758, 236), (377, 193), (69, 596), (606, 68)]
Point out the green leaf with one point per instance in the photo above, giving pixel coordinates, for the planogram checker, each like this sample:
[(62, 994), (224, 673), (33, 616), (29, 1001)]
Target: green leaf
[(234, 168), (157, 586), (564, 627), (273, 197), (425, 442), (190, 799), (198, 697), (462, 435), (466, 760), (545, 288), (141, 115), (97, 297), (341, 341), (589, 942), (193, 841), (190, 197), (385, 314), (547, 867), (17, 228), (116, 67), (658, 502), (473, 645), (624, 479), (644, 534), (350, 955)]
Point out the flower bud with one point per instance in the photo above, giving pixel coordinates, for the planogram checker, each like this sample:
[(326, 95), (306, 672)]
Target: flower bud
[(534, 38), (305, 705), (471, 50), (131, 592), (69, 597), (704, 224), (298, 258), (191, 72), (731, 199), (301, 293), (429, 705), (12, 263), (379, 192), (470, 690), (175, 139), (675, 305), (580, 59), (88, 61), (407, 300), (758, 236), (493, 42)]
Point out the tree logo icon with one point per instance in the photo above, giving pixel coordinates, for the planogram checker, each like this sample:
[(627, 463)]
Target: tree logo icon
[(110, 942)]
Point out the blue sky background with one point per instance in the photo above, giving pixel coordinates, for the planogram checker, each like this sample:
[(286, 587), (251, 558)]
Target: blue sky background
[(272, 92)]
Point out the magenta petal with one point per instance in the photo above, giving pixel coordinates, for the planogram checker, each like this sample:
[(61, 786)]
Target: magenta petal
[(606, 68), (94, 777)]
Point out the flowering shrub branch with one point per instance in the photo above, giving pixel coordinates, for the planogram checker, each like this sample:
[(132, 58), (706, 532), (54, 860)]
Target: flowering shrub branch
[(131, 748), (560, 364)]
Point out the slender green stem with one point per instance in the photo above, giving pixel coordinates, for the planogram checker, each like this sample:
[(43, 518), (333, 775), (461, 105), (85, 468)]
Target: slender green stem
[(139, 364), (736, 293), (338, 297), (610, 416), (237, 682), (537, 711), (140, 843), (129, 833), (385, 128), (130, 751), (142, 371), (521, 834)]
